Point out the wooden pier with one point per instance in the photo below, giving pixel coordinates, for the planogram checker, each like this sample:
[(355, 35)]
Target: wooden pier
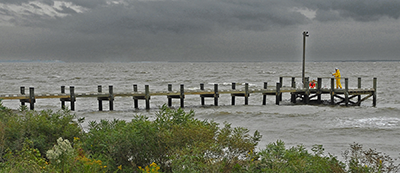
[(305, 95)]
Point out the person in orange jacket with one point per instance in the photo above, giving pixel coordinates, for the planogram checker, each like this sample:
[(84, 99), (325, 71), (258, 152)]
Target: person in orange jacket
[(313, 84), (337, 77)]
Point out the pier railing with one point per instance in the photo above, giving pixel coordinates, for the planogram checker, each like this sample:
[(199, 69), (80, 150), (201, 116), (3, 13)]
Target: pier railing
[(305, 94)]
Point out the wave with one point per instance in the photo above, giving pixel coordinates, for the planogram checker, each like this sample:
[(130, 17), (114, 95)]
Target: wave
[(373, 122)]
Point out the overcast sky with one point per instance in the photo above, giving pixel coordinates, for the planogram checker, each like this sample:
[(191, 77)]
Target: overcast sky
[(199, 30)]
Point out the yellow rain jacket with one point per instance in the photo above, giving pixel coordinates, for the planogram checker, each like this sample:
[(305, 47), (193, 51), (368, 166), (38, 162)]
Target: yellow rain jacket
[(337, 77)]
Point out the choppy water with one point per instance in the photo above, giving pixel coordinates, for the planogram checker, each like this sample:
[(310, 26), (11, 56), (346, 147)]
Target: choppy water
[(335, 127)]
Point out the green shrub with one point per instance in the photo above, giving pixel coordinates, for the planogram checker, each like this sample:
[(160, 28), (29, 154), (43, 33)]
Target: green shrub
[(175, 140), (27, 159), (42, 128), (276, 158), (359, 160)]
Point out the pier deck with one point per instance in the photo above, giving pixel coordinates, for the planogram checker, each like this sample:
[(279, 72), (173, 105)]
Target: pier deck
[(305, 94)]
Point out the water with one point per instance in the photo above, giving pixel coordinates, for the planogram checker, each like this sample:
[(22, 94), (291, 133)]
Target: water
[(334, 127)]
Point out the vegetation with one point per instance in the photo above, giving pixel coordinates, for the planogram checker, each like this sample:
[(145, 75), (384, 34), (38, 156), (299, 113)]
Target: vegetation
[(175, 141)]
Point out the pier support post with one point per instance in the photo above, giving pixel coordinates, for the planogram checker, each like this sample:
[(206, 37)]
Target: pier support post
[(147, 96), (278, 87), (99, 90), (307, 91), (135, 100), (233, 96), (182, 95), (169, 98), (246, 94), (32, 98), (359, 87), (22, 90), (216, 94), (62, 100), (332, 91), (264, 102), (72, 97), (319, 86), (281, 84), (293, 95), (346, 91), (111, 97), (375, 92), (201, 97)]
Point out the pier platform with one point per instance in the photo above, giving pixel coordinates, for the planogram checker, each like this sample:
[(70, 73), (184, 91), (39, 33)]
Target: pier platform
[(304, 94)]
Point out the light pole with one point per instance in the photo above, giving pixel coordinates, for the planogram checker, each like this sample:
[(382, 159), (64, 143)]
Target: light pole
[(305, 34)]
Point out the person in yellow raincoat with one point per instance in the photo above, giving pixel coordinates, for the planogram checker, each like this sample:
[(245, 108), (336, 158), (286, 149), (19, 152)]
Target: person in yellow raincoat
[(337, 77)]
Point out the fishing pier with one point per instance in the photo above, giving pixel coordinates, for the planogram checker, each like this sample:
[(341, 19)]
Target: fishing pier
[(298, 95)]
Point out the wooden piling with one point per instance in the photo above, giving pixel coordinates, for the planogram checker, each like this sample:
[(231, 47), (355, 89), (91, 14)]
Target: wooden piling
[(319, 86), (233, 96), (359, 87), (32, 98), (307, 91), (135, 100), (293, 95), (62, 99), (22, 91), (182, 95), (278, 92), (246, 94), (346, 91), (72, 97), (111, 97), (169, 98), (147, 96), (264, 102), (216, 94), (375, 92), (99, 90), (332, 91), (281, 84), (202, 97)]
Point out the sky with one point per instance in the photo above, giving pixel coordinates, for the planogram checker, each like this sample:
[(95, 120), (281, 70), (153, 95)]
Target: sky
[(199, 30)]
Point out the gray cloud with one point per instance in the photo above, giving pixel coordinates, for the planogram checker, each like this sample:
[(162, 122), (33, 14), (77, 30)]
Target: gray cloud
[(222, 30), (182, 17), (359, 10)]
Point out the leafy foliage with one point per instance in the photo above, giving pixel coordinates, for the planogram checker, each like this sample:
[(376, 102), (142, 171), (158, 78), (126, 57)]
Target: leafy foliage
[(42, 128), (175, 141), (360, 160)]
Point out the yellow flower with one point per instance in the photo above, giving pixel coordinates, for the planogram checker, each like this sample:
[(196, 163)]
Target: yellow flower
[(120, 167), (104, 166)]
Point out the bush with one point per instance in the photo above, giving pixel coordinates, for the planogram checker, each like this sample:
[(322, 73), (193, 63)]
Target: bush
[(27, 159), (276, 158), (359, 160), (42, 128), (174, 142)]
